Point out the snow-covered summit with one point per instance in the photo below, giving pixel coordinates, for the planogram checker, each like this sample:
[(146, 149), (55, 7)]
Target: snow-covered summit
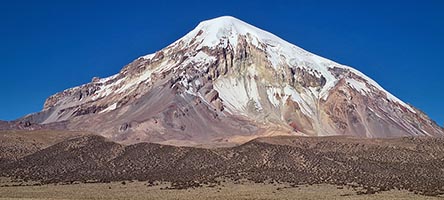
[(226, 28)]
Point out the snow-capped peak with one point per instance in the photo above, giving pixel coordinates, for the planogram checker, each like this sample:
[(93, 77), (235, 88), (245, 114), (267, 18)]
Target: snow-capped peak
[(226, 29), (226, 69), (214, 31)]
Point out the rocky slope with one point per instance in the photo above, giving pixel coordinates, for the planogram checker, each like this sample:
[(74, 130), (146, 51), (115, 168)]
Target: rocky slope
[(226, 82), (413, 164)]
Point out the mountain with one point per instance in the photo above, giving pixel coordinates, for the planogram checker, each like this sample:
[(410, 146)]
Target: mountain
[(227, 82)]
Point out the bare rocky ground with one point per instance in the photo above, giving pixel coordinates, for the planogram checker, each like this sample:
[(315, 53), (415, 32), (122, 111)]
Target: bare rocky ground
[(369, 166)]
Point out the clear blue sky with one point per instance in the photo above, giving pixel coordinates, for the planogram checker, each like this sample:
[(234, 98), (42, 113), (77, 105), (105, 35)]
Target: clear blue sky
[(48, 46)]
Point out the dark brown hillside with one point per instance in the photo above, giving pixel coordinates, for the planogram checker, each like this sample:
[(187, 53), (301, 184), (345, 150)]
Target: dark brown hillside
[(15, 144), (415, 164)]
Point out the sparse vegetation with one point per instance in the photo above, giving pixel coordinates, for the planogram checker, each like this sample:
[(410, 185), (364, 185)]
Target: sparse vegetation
[(227, 191), (370, 165)]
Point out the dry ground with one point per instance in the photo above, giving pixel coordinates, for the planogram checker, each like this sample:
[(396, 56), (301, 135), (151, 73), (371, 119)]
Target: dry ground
[(225, 191)]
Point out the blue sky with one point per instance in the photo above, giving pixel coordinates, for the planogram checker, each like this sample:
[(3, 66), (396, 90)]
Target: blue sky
[(48, 46)]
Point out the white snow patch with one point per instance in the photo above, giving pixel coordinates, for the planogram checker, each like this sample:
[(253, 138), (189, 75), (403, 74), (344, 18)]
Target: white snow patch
[(200, 58), (253, 93), (232, 93), (197, 82), (105, 90), (285, 93), (104, 80), (237, 93), (131, 84), (290, 92), (252, 71), (149, 56), (358, 86), (375, 112), (109, 108), (271, 93)]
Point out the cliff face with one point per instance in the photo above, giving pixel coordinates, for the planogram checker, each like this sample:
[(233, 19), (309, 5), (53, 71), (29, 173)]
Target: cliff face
[(226, 82)]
